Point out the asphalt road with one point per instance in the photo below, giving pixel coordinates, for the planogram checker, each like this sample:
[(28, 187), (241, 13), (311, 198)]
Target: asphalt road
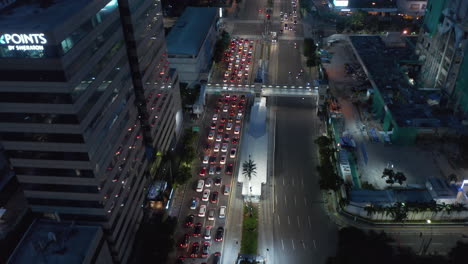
[(302, 230)]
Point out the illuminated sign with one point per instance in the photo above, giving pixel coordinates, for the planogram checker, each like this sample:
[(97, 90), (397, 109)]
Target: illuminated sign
[(23, 41), (341, 3)]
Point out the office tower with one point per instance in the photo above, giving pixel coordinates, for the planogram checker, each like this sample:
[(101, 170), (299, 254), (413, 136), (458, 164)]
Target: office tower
[(86, 99), (442, 51)]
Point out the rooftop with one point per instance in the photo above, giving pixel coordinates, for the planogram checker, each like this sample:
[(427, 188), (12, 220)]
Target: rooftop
[(372, 4), (386, 66), (190, 30), (27, 16), (53, 242)]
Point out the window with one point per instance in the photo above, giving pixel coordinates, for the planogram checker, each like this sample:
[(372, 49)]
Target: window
[(414, 6)]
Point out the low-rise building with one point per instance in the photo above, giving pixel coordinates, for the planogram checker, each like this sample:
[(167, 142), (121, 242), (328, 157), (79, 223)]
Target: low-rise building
[(191, 41)]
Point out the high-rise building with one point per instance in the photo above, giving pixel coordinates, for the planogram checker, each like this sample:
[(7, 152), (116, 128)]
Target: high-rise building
[(442, 49), (86, 99)]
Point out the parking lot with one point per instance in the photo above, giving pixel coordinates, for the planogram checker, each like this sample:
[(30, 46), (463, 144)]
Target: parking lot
[(199, 237)]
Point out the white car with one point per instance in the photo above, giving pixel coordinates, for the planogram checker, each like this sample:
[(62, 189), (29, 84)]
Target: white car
[(229, 126), (240, 112), (200, 185), (225, 109), (208, 183), (216, 147), (219, 138), (206, 195), (206, 159), (225, 147), (202, 211), (223, 159), (215, 117), (211, 135), (232, 154), (237, 130)]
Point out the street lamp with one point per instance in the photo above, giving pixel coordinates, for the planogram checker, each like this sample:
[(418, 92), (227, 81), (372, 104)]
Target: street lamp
[(428, 221)]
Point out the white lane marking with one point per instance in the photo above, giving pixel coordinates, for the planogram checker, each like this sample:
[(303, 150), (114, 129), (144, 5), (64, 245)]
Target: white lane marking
[(276, 199), (308, 217), (278, 220), (285, 202), (315, 246), (282, 244), (293, 244), (305, 201), (298, 222), (292, 181), (303, 245), (289, 222), (283, 180), (295, 202), (302, 182)]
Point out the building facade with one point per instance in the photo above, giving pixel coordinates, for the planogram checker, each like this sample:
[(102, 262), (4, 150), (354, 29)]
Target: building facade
[(191, 43), (442, 52), (86, 99), (414, 8)]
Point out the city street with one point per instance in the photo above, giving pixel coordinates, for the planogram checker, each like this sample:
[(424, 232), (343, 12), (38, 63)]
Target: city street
[(302, 231)]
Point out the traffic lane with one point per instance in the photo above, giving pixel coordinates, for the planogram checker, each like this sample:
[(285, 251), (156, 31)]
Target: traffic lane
[(313, 223), (289, 60), (248, 29)]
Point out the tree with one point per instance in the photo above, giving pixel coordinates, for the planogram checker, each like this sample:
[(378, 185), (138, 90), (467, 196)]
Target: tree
[(358, 19), (184, 173), (323, 142), (400, 177), (309, 47), (249, 168)]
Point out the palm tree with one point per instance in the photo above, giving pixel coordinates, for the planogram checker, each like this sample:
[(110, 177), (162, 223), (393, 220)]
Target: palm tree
[(249, 168)]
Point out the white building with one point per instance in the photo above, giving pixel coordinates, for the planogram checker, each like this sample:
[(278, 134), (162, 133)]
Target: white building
[(413, 8)]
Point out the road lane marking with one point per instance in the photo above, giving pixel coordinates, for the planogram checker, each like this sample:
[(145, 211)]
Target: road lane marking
[(278, 220), (305, 201), (283, 180), (292, 181), (282, 244), (289, 222), (303, 245), (298, 222), (295, 202), (285, 202), (276, 199), (308, 217), (302, 182), (293, 244), (315, 246)]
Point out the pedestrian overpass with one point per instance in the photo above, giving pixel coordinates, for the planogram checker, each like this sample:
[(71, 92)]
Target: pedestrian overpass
[(263, 89)]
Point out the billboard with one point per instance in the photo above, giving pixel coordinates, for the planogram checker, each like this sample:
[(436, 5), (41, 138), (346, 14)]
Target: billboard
[(341, 3)]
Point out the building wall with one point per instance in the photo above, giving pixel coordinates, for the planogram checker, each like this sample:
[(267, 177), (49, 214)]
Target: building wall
[(412, 7), (79, 143)]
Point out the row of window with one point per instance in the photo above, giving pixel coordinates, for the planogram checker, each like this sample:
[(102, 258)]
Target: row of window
[(42, 137), (54, 172), (48, 155)]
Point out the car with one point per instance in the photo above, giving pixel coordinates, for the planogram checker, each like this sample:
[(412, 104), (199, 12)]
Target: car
[(295, 22), (217, 181), (226, 137), (211, 135), (194, 251), (240, 112), (194, 203), (224, 147), (237, 130), (212, 170), (235, 140), (207, 147), (214, 197), (205, 250), (218, 170), (205, 159), (225, 109), (229, 169), (200, 185), (219, 138), (202, 172), (197, 230), (225, 80), (208, 183), (219, 234), (217, 147), (213, 126), (234, 97), (232, 154), (217, 258), (206, 195), (211, 214), (242, 98), (222, 212), (232, 113), (238, 119), (207, 234), (215, 117), (202, 211), (221, 128), (229, 126), (226, 73), (223, 159), (223, 120), (285, 26), (212, 159), (180, 260), (185, 241), (189, 220), (227, 189)]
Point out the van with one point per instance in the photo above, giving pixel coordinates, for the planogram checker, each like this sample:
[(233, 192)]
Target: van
[(222, 212), (227, 189), (200, 185), (211, 214)]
